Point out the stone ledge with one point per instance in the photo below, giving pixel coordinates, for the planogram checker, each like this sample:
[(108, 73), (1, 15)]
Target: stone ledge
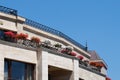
[(87, 68), (16, 45), (58, 53)]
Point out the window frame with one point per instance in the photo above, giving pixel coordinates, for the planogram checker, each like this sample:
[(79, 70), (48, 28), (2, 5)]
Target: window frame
[(8, 62)]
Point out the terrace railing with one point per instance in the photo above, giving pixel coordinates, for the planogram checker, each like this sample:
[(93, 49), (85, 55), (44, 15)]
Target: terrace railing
[(53, 31), (8, 10), (42, 27)]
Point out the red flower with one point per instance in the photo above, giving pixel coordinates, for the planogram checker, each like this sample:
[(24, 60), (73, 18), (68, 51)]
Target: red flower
[(73, 53), (93, 63), (107, 78), (80, 57), (35, 39), (97, 64), (10, 34), (21, 36), (63, 51)]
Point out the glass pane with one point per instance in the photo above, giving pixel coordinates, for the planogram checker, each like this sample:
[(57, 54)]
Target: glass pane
[(18, 71), (14, 70), (5, 70), (29, 72)]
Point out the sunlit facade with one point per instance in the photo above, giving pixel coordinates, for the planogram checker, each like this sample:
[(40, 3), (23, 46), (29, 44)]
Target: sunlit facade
[(32, 51)]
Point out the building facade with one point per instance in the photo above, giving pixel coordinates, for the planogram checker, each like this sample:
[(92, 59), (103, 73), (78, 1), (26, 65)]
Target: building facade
[(32, 51)]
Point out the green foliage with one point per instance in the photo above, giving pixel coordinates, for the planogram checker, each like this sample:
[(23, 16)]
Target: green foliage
[(58, 45)]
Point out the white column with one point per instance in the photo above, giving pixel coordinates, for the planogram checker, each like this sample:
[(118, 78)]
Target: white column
[(1, 66), (42, 66), (19, 27), (76, 69)]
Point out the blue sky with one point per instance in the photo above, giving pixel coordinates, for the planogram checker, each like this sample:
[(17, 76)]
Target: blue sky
[(96, 21)]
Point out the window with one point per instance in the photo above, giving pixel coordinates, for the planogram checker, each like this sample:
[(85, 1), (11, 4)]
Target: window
[(1, 34), (14, 70)]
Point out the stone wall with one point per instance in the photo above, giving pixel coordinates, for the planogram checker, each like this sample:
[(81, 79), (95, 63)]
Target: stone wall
[(17, 54), (60, 61), (88, 75), (8, 25)]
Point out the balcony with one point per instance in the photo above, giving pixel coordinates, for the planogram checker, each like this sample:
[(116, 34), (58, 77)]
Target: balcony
[(54, 32), (46, 46), (42, 27)]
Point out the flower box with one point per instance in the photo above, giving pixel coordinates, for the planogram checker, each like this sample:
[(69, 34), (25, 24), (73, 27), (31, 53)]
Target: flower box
[(97, 64), (73, 53), (80, 57), (63, 51), (58, 45), (9, 34), (21, 36), (35, 39), (107, 78)]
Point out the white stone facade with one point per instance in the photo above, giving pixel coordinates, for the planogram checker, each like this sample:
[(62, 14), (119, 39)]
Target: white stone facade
[(43, 59)]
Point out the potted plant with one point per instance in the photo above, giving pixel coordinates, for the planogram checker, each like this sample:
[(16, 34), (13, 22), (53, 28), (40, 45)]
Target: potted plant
[(57, 45), (73, 53), (80, 57), (9, 36), (97, 64), (46, 44), (66, 51), (35, 41), (107, 78), (21, 37)]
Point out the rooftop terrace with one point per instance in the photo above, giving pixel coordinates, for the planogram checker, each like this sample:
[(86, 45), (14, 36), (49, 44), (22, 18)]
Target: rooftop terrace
[(42, 27)]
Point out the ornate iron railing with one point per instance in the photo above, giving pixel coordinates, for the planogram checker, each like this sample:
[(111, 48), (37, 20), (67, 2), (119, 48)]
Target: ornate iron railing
[(53, 31), (8, 10), (42, 27)]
